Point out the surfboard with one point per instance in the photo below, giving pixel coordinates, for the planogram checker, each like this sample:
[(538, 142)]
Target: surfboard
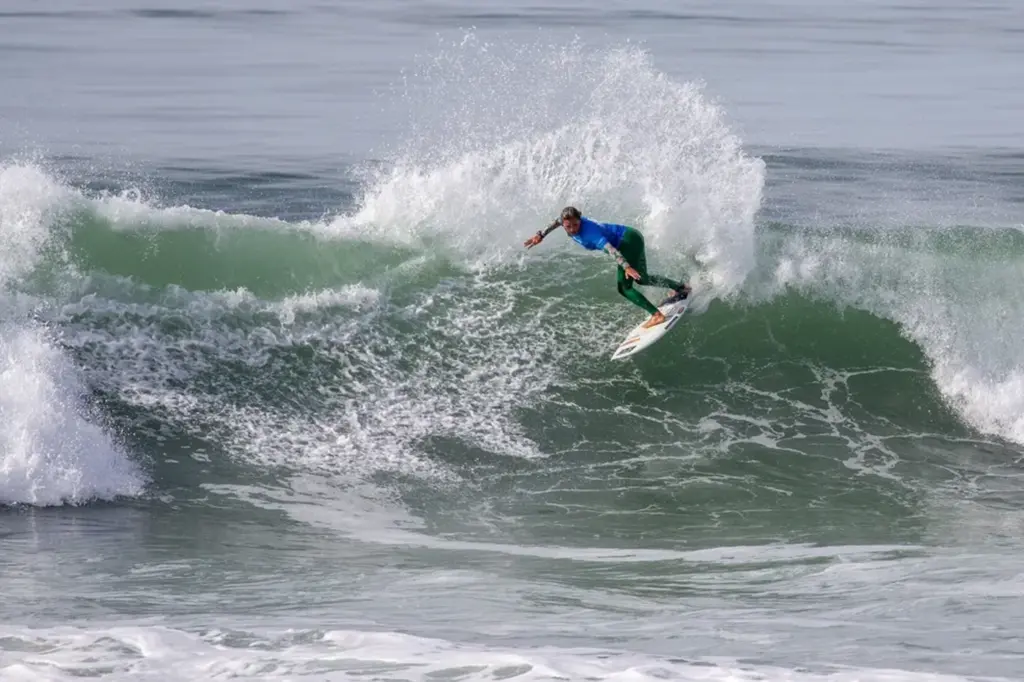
[(640, 338)]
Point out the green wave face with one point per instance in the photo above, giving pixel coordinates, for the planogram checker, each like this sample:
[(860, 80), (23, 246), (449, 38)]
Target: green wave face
[(300, 347)]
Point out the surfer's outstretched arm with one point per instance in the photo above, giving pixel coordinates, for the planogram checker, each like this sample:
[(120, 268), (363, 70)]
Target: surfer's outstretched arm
[(539, 237)]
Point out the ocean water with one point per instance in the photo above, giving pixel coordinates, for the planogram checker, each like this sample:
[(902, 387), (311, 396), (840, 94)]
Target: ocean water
[(283, 397)]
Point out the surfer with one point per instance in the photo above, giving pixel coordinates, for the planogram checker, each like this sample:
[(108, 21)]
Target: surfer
[(626, 246)]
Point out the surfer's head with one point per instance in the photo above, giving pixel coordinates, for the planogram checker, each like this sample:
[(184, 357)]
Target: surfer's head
[(571, 219)]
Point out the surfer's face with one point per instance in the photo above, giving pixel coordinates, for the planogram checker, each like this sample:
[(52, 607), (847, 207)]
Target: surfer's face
[(571, 225)]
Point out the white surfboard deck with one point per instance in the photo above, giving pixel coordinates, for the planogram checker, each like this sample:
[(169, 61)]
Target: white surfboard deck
[(641, 338)]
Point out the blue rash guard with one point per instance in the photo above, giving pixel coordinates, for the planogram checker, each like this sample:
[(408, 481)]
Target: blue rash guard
[(594, 235)]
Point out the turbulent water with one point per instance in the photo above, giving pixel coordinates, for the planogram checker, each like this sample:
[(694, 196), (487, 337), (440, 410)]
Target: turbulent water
[(268, 414)]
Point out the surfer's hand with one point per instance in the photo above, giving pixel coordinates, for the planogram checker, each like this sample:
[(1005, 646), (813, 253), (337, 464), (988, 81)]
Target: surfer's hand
[(533, 241), (632, 273)]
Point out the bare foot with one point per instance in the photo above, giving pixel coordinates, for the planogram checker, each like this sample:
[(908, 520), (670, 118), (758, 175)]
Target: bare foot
[(656, 319)]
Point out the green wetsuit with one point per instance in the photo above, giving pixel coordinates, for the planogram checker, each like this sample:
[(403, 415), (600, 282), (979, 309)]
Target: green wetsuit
[(632, 249)]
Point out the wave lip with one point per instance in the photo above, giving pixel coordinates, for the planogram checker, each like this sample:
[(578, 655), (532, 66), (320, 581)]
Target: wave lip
[(29, 199)]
